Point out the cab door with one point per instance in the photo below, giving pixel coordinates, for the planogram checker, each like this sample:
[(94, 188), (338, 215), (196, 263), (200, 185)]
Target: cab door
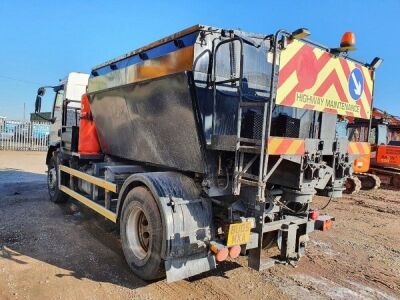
[(55, 127)]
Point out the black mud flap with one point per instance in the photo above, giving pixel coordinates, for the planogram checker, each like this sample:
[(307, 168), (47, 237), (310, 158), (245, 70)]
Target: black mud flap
[(184, 267)]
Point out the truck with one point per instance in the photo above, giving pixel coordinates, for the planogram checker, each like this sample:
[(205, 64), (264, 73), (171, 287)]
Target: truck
[(211, 143), (383, 163)]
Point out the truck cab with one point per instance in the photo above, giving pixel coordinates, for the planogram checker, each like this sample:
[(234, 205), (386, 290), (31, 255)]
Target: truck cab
[(67, 92)]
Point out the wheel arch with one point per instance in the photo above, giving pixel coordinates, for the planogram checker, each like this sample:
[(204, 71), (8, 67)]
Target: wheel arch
[(52, 148), (186, 217)]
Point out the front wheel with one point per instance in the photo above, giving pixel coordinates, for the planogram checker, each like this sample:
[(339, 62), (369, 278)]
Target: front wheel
[(142, 234), (55, 194)]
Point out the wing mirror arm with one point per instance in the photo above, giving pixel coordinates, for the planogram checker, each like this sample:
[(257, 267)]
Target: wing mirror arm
[(38, 104)]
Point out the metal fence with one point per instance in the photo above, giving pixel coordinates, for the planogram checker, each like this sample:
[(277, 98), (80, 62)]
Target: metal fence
[(24, 136)]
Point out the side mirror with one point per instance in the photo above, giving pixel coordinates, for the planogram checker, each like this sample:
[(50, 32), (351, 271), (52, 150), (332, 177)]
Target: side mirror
[(38, 103), (41, 91)]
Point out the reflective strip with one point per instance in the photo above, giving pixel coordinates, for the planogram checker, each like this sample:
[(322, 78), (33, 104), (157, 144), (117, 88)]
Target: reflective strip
[(174, 62), (89, 178), (358, 148), (312, 78), (89, 203), (285, 146)]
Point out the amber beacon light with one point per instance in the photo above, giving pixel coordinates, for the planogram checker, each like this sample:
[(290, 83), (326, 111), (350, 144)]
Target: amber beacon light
[(348, 40), (347, 43)]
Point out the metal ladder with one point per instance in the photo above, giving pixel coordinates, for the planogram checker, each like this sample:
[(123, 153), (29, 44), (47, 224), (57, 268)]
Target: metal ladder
[(244, 145), (257, 147)]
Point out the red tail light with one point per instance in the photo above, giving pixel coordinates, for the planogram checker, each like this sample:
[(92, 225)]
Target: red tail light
[(234, 251), (220, 251), (313, 215)]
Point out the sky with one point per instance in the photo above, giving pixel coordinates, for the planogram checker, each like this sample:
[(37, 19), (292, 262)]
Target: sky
[(42, 41)]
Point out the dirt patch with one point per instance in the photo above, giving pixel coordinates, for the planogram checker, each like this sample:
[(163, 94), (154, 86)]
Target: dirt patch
[(50, 251)]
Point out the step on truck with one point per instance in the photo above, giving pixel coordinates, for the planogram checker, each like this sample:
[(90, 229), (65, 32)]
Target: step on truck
[(211, 143)]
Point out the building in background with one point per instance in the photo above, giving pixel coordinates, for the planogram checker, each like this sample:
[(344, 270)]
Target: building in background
[(40, 117)]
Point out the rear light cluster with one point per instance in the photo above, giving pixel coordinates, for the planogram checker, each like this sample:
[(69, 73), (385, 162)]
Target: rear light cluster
[(323, 222), (222, 252), (326, 225), (313, 214)]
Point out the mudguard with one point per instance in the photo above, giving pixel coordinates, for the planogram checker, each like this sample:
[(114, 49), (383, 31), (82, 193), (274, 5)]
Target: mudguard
[(186, 218), (53, 146)]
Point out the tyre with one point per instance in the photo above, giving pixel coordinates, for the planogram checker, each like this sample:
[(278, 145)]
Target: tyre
[(142, 234), (55, 194)]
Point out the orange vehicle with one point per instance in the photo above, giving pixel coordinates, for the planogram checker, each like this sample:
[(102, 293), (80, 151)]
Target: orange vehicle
[(383, 164)]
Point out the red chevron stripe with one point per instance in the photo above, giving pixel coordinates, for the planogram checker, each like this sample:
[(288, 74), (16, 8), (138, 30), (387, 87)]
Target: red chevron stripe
[(291, 65), (308, 106), (332, 79), (367, 92), (283, 146), (363, 113), (330, 110), (360, 148), (345, 67), (307, 67), (301, 149)]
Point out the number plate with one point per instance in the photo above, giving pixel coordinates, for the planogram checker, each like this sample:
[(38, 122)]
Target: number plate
[(238, 234)]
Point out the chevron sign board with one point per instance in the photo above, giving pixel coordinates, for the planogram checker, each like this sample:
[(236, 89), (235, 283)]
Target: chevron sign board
[(312, 78)]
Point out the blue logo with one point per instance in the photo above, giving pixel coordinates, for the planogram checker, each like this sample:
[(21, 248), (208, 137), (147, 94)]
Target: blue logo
[(356, 84)]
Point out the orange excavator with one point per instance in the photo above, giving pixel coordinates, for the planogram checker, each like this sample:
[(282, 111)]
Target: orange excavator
[(383, 164)]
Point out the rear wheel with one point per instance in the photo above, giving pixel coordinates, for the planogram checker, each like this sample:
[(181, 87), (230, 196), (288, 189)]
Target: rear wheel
[(142, 233), (55, 194)]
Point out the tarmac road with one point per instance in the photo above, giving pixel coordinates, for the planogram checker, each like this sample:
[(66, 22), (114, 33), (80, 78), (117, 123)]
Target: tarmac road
[(50, 251)]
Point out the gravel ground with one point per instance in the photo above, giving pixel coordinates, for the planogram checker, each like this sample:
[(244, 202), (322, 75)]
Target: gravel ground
[(50, 251)]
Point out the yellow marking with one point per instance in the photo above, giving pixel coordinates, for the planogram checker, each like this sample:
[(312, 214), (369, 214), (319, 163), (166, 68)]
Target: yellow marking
[(288, 85), (238, 234), (367, 148), (89, 178), (289, 52), (331, 93), (368, 78), (318, 53), (293, 147), (332, 65), (323, 74), (353, 149), (370, 83), (344, 83), (89, 203), (273, 145)]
